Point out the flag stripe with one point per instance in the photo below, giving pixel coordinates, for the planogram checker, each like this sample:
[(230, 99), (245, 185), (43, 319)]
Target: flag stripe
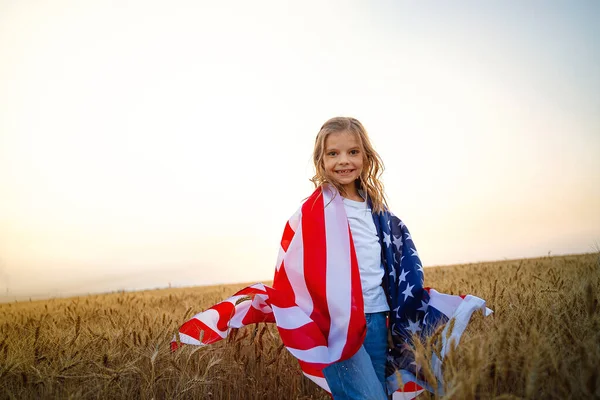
[(291, 317), (257, 288), (283, 297), (406, 395), (187, 339), (304, 337), (358, 324), (445, 303), (339, 276), (319, 380), (315, 355), (193, 329), (294, 262), (315, 258), (256, 314), (288, 235)]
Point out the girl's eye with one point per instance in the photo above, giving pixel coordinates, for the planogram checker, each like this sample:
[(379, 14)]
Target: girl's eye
[(354, 152), (331, 153)]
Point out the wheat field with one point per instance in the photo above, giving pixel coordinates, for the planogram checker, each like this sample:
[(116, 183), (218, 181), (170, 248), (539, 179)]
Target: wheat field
[(542, 342)]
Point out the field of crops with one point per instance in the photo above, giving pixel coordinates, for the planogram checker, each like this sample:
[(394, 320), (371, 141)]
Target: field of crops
[(542, 342)]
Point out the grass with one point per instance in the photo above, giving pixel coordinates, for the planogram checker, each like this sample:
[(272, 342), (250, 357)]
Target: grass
[(543, 341)]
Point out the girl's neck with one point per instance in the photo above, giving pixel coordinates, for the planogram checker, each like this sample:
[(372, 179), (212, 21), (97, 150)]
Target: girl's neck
[(351, 193)]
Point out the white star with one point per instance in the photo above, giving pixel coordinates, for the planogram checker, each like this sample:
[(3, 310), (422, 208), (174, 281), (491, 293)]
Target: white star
[(414, 254), (408, 291), (413, 327), (401, 224), (420, 268), (408, 237), (423, 307), (397, 241), (425, 318), (393, 273), (386, 239), (403, 275), (396, 310)]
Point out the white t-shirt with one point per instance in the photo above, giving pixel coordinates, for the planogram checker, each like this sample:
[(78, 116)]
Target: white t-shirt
[(368, 254)]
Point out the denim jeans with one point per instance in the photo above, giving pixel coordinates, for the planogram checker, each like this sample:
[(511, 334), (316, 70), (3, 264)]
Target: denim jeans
[(362, 376)]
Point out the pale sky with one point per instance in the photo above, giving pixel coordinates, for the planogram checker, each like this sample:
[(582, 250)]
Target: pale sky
[(168, 142)]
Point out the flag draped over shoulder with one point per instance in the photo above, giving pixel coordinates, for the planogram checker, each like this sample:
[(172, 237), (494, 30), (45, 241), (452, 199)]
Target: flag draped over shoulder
[(416, 310), (316, 298)]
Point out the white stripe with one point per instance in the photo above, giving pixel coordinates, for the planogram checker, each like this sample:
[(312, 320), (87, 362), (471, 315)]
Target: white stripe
[(458, 309), (280, 257), (338, 273), (261, 305), (444, 303), (294, 222), (436, 365), (322, 382), (210, 317), (240, 312), (186, 339), (259, 286), (406, 395), (461, 317), (290, 317), (294, 268), (319, 354)]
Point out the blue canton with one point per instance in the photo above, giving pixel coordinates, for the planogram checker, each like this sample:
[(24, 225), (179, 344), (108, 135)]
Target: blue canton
[(403, 284)]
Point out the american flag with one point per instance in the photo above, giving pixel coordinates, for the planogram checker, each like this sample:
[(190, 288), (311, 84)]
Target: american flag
[(316, 298)]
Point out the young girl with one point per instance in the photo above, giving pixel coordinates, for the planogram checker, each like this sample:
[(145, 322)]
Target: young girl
[(345, 159), (348, 277)]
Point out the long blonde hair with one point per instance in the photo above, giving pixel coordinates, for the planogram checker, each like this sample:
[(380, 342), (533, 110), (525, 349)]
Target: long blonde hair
[(372, 164)]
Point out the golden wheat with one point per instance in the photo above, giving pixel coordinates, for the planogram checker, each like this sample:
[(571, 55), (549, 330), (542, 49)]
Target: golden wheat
[(543, 341)]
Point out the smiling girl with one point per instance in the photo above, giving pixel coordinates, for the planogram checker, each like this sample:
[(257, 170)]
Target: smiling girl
[(345, 159)]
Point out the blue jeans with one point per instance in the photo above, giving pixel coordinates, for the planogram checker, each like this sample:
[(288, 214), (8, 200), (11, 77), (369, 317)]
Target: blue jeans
[(362, 376)]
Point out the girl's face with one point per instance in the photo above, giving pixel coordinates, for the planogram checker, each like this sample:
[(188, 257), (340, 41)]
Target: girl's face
[(343, 158)]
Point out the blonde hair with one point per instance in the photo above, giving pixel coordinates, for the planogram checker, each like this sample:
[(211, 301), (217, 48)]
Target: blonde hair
[(372, 164)]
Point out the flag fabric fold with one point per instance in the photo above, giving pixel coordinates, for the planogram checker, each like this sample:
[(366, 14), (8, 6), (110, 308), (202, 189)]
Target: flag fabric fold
[(316, 298)]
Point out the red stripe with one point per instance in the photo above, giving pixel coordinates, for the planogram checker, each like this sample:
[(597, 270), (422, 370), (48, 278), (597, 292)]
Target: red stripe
[(312, 369), (357, 326), (315, 258), (226, 311), (254, 315), (303, 338), (411, 387), (193, 328), (288, 235), (281, 295)]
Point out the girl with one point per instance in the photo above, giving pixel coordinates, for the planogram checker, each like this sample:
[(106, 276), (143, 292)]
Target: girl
[(344, 158), (348, 277)]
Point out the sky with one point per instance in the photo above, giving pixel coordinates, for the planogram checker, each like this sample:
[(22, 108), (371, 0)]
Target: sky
[(150, 143)]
